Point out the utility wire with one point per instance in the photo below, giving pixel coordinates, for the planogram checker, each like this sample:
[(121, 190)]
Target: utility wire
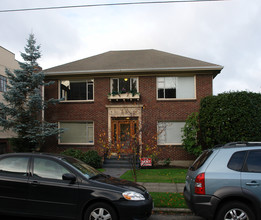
[(105, 4)]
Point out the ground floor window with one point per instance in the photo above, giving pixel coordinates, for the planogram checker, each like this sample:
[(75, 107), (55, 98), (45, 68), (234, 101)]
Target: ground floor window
[(170, 132), (77, 133)]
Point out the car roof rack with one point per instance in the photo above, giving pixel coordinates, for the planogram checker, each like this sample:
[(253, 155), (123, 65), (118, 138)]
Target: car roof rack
[(242, 144)]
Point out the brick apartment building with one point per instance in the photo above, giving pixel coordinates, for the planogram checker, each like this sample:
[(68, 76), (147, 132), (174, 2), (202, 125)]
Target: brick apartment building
[(120, 91)]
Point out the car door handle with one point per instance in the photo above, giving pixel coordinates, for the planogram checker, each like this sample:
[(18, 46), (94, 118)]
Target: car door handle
[(253, 183)]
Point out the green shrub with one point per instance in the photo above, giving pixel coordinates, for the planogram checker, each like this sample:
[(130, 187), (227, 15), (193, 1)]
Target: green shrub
[(90, 157), (190, 135)]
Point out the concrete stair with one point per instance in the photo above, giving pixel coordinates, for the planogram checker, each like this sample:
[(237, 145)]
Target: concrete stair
[(115, 162)]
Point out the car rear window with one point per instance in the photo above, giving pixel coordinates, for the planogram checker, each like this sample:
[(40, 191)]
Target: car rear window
[(201, 160), (237, 160)]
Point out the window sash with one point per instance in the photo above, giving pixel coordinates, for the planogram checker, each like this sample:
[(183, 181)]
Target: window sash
[(176, 87), (170, 132), (77, 133), (71, 90)]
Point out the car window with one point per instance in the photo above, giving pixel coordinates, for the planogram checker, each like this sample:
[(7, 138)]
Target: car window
[(45, 168), (236, 162), (82, 167), (200, 160), (14, 166), (253, 163)]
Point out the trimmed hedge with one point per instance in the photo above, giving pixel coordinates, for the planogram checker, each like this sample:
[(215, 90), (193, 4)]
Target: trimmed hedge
[(90, 157), (229, 117)]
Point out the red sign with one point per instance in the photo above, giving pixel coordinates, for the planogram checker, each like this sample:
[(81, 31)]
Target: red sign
[(145, 162)]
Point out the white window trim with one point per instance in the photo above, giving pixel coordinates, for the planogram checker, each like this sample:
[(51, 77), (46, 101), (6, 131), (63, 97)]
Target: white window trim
[(111, 82), (59, 138), (164, 144), (176, 99), (87, 80)]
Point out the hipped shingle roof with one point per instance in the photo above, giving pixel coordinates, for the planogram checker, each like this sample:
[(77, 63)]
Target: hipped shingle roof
[(132, 61)]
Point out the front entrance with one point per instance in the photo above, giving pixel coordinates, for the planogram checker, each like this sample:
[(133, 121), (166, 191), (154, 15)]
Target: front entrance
[(124, 131)]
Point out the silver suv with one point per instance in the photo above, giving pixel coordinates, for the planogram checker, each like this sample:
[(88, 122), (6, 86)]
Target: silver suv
[(224, 183)]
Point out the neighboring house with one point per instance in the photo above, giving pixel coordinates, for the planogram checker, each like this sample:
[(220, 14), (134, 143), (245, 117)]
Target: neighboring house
[(7, 61), (120, 91)]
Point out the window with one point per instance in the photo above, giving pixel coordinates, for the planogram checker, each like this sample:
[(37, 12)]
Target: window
[(200, 160), (14, 166), (176, 87), (237, 160), (124, 85), (44, 168), (3, 82), (77, 90), (77, 133), (170, 132), (253, 163), (2, 114)]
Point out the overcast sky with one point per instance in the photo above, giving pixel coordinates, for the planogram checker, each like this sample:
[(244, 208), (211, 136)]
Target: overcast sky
[(227, 33)]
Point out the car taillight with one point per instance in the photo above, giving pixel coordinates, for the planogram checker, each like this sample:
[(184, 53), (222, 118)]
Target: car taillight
[(200, 184)]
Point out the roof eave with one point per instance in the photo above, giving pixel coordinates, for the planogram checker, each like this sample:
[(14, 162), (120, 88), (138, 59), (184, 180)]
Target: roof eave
[(119, 71)]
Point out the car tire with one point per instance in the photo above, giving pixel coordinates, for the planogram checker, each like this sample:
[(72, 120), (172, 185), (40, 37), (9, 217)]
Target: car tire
[(232, 210), (99, 211)]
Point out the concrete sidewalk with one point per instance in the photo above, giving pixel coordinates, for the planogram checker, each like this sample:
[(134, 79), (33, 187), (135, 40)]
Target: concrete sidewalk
[(164, 187)]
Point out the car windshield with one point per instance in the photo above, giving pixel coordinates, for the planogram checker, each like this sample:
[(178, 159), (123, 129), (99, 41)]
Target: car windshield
[(82, 167)]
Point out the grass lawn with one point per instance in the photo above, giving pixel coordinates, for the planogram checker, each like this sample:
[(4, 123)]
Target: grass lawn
[(171, 175), (168, 200), (101, 169)]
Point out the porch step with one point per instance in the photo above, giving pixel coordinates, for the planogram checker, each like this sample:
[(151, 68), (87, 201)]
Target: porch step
[(114, 162)]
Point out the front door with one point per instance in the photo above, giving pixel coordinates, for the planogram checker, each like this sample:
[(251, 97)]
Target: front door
[(124, 132)]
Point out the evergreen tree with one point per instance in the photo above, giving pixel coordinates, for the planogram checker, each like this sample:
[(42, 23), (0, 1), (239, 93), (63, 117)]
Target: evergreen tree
[(24, 104)]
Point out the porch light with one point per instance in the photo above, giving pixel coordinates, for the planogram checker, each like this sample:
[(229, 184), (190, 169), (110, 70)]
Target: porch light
[(126, 79)]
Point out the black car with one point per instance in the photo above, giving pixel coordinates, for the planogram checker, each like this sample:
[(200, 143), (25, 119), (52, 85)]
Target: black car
[(59, 186)]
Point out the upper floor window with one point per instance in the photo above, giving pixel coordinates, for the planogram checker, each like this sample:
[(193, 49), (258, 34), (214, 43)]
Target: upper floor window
[(3, 82), (77, 90), (124, 85), (176, 87)]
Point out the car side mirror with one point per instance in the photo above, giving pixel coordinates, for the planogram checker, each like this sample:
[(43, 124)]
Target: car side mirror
[(69, 177)]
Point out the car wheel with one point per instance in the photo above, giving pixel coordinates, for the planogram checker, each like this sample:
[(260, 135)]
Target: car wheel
[(100, 211), (235, 211)]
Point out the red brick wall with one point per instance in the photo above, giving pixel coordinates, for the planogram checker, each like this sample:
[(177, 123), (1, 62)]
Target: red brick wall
[(152, 112)]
